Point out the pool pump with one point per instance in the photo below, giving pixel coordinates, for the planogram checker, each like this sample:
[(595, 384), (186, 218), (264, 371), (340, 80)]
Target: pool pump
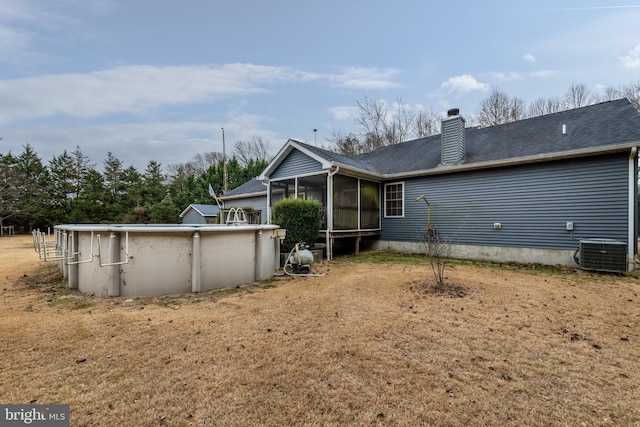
[(300, 259)]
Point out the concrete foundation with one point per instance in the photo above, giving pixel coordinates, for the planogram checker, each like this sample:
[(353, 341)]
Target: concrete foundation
[(489, 253)]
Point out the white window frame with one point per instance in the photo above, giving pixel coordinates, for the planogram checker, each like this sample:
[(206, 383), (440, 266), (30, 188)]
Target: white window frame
[(386, 214)]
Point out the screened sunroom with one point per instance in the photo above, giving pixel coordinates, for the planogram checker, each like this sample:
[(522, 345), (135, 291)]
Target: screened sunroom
[(350, 205)]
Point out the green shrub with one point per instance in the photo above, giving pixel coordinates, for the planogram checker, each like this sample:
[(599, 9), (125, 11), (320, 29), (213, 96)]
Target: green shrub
[(301, 218)]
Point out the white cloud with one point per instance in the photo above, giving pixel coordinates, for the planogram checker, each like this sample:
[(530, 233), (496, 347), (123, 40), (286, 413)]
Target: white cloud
[(134, 89), (365, 78), (138, 143), (632, 60), (343, 112), (510, 76), (543, 73), (356, 78), (463, 83), (12, 42), (16, 10), (529, 58), (141, 89), (25, 24)]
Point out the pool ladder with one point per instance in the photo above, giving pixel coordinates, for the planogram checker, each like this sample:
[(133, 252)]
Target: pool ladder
[(236, 216)]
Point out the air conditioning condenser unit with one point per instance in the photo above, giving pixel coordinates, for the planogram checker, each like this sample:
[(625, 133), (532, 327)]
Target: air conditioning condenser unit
[(603, 255)]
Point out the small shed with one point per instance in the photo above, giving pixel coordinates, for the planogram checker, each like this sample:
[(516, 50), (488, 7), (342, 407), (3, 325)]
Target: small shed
[(200, 214)]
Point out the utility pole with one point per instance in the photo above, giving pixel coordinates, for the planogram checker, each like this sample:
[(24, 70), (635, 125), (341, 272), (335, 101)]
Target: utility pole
[(224, 163)]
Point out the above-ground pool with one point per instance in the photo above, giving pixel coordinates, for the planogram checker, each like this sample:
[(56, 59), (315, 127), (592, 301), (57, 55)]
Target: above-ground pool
[(151, 260)]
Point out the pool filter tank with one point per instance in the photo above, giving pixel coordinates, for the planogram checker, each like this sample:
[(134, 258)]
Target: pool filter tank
[(300, 259)]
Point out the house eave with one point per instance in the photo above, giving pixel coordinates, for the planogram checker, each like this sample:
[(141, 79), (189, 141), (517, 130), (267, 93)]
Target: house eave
[(350, 170), (282, 154), (187, 209), (515, 161), (191, 206), (244, 196)]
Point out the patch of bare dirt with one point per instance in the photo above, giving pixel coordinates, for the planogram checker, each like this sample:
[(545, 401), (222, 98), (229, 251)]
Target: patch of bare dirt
[(356, 346)]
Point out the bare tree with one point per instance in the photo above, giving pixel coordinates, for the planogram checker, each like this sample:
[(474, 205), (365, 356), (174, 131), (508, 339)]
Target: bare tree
[(345, 144), (578, 95), (256, 149), (499, 108), (371, 118), (400, 123), (517, 109), (200, 163), (426, 123), (632, 92), (382, 125), (610, 93), (542, 106), (440, 250)]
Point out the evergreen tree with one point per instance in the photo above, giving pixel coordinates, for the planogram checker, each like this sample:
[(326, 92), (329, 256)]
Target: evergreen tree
[(154, 189), (183, 188), (89, 206), (113, 188), (9, 199), (31, 184), (165, 212), (62, 187)]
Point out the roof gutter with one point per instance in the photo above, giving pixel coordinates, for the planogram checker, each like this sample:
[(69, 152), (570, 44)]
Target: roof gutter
[(242, 196), (572, 154)]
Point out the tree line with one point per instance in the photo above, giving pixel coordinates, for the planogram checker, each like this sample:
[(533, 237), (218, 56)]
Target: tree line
[(380, 124), (71, 189)]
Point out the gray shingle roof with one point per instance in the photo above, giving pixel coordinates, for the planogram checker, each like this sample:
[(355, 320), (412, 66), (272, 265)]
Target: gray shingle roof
[(354, 162), (600, 125), (249, 187), (204, 210)]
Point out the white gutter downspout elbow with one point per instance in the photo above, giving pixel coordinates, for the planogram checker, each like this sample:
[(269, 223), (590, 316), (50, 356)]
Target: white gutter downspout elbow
[(632, 210)]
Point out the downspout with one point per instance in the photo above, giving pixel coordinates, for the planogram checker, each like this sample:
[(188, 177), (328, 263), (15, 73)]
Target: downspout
[(330, 212), (268, 185), (633, 205)]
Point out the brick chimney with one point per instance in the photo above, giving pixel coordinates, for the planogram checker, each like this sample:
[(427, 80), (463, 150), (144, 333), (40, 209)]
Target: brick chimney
[(453, 132)]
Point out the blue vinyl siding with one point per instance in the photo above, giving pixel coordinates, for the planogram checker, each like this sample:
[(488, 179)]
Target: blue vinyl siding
[(295, 164), (193, 217), (257, 203), (532, 203)]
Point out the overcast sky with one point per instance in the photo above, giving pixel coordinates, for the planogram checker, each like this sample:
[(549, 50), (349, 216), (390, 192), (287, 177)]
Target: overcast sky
[(159, 79)]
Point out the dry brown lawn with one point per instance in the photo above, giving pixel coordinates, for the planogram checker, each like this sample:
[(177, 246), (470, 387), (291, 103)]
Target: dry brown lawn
[(359, 346)]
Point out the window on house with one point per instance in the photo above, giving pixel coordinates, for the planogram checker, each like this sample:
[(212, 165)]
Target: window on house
[(394, 199)]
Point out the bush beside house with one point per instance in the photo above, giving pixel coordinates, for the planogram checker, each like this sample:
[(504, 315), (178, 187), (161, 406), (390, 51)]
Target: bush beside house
[(301, 218)]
